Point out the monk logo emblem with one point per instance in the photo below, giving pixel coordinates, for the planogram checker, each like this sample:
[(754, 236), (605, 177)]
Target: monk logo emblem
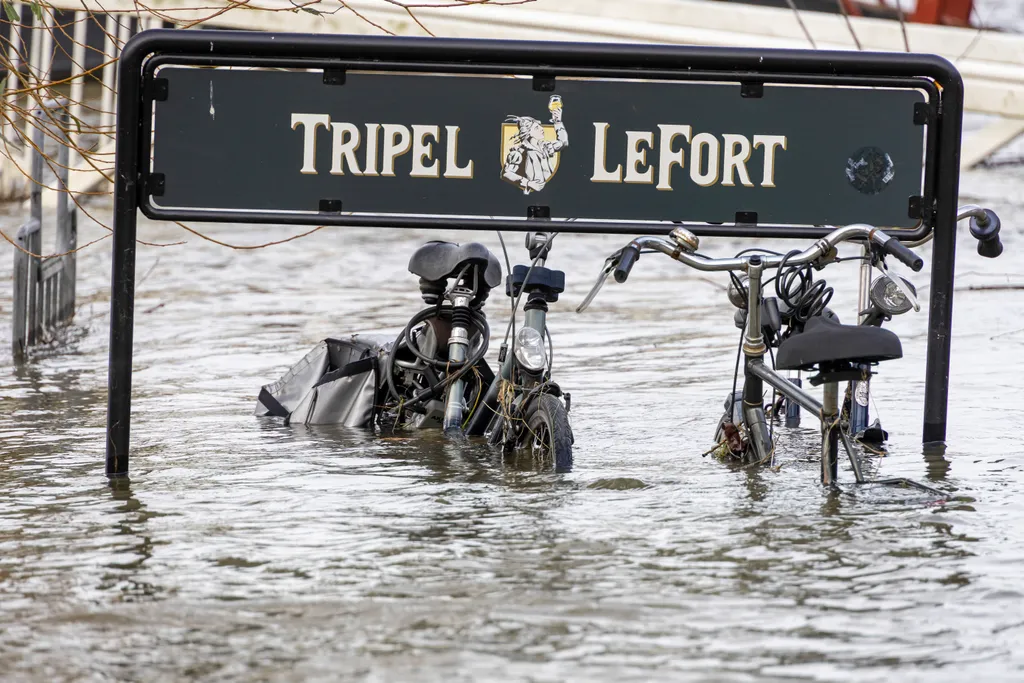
[(530, 149)]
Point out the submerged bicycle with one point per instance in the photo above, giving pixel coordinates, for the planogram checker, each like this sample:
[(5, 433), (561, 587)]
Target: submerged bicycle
[(435, 370), (434, 375), (798, 324)]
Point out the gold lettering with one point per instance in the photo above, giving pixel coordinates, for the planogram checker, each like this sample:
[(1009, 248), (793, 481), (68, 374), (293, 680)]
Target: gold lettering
[(397, 142), (635, 156), (372, 134), (451, 161), (601, 174), (710, 177), (667, 158), (421, 149), (770, 142), (346, 142), (310, 123), (736, 159)]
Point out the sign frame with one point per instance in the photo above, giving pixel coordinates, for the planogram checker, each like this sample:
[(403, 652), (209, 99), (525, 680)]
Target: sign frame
[(544, 77), (750, 68)]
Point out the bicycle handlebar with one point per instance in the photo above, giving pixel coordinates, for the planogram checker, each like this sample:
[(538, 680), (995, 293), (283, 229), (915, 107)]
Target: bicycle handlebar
[(627, 258), (905, 255), (820, 248), (984, 227)]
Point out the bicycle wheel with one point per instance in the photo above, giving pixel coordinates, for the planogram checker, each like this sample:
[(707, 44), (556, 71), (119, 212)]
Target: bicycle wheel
[(548, 435)]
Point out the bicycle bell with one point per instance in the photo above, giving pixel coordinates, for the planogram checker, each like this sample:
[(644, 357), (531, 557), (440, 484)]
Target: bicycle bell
[(685, 239)]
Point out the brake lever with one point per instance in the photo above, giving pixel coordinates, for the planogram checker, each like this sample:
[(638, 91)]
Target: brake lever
[(898, 281), (609, 266)]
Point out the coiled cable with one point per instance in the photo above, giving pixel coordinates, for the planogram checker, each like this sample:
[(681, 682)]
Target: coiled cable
[(796, 287), (406, 339)]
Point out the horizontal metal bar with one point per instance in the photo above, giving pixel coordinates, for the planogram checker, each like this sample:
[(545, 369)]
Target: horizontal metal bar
[(510, 224), (50, 268), (784, 386), (582, 71), (595, 56)]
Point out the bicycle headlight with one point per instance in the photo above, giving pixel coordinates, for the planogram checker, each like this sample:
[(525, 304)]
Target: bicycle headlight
[(530, 351), (737, 297), (887, 296)]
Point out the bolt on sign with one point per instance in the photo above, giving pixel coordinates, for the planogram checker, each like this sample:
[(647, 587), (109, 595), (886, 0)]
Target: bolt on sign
[(295, 143)]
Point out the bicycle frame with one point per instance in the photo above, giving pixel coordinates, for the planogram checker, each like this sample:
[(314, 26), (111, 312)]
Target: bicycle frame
[(536, 318), (756, 374), (681, 245)]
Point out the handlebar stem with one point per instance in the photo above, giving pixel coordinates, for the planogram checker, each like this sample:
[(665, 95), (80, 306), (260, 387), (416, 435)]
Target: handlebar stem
[(753, 338)]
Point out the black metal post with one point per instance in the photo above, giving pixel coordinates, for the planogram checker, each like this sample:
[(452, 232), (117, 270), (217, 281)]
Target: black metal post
[(940, 313), (122, 279)]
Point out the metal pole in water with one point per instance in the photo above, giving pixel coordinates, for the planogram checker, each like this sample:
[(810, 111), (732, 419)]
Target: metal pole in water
[(940, 314), (65, 240), (14, 78), (77, 83), (122, 280), (18, 333), (34, 241), (32, 78), (46, 49), (109, 76)]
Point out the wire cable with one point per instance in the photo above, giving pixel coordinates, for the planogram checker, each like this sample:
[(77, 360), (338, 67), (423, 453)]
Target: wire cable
[(519, 296), (796, 287), (508, 268)]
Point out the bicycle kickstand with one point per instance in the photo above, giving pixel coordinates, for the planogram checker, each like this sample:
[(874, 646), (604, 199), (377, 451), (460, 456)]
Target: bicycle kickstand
[(897, 481)]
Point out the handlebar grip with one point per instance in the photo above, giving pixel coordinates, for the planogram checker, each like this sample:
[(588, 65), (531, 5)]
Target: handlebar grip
[(629, 256), (986, 231), (904, 254)]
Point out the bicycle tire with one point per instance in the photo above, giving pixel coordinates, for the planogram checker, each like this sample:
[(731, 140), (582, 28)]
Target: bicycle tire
[(548, 434)]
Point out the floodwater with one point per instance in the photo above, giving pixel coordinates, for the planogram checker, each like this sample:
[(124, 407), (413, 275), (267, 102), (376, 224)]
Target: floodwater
[(245, 550)]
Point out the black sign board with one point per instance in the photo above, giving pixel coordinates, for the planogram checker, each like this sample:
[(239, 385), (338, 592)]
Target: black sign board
[(385, 143)]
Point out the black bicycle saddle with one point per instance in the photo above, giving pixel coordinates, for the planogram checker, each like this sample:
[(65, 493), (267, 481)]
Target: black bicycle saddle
[(438, 260), (827, 341)]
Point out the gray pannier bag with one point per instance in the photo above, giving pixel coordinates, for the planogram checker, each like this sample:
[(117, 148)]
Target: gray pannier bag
[(335, 383)]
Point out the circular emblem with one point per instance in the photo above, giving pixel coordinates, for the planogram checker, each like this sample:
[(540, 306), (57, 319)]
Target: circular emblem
[(870, 170)]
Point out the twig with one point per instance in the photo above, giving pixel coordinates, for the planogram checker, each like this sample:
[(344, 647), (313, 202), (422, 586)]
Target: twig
[(243, 246), (903, 24), (849, 24), (800, 21), (49, 256), (1004, 334)]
